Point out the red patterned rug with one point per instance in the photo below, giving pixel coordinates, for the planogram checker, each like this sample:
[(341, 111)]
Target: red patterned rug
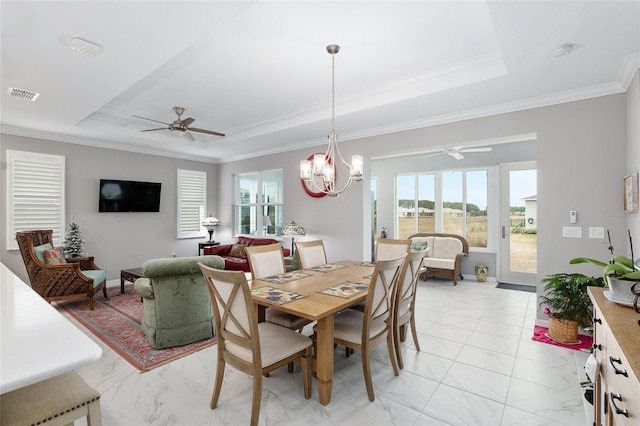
[(116, 321), (540, 334)]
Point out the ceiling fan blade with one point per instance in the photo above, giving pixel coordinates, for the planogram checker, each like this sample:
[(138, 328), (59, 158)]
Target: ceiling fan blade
[(188, 121), (151, 119), (153, 130), (189, 135), (433, 155), (209, 132), (485, 149)]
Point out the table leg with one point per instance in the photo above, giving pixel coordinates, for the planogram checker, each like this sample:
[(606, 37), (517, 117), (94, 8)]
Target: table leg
[(121, 283), (324, 358)]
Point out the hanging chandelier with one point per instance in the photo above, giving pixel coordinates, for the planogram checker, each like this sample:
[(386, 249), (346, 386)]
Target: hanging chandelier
[(320, 174)]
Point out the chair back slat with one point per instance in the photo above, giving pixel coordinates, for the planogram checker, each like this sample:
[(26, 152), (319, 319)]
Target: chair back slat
[(407, 284), (236, 321), (265, 260), (391, 249), (311, 253), (378, 306)]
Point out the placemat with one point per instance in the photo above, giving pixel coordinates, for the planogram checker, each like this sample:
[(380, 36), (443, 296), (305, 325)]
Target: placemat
[(371, 264), (286, 277), (327, 268), (346, 289), (276, 295)]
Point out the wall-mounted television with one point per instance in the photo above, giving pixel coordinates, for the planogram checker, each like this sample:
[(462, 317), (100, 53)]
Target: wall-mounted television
[(128, 196)]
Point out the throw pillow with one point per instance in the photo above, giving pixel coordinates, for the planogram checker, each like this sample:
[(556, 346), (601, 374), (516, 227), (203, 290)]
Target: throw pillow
[(54, 256), (418, 246), (238, 251)]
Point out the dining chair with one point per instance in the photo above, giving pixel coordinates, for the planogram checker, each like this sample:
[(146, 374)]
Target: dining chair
[(387, 248), (265, 261), (404, 301), (363, 331), (251, 347), (311, 253)]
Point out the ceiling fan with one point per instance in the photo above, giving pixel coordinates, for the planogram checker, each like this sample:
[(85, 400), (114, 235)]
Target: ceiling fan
[(456, 151), (180, 125)]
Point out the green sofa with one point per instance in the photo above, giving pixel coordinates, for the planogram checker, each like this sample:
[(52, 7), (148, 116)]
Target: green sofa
[(177, 305)]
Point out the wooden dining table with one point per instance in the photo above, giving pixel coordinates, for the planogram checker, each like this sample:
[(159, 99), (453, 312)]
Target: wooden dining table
[(320, 307)]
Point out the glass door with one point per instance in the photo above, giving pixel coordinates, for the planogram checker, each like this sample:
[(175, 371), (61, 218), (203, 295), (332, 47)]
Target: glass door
[(518, 223)]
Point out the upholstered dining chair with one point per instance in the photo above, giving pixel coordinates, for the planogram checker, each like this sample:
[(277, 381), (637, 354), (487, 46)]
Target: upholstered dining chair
[(311, 253), (387, 248), (404, 301), (363, 331), (265, 261), (251, 347), (67, 278)]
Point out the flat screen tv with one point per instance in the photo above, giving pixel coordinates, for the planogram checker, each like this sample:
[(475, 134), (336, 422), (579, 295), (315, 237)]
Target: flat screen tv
[(128, 196)]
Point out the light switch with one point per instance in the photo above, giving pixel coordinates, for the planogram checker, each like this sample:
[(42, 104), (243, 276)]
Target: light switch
[(572, 231), (596, 232)]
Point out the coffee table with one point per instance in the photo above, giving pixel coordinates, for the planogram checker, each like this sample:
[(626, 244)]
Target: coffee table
[(130, 275)]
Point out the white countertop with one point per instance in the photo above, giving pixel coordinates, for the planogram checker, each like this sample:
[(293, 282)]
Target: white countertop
[(36, 342)]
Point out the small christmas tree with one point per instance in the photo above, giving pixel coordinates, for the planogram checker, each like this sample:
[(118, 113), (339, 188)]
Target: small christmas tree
[(74, 241)]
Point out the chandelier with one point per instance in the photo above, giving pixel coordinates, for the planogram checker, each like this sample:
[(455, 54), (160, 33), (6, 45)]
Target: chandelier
[(320, 174)]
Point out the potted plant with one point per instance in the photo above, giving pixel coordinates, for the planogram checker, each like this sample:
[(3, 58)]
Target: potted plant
[(567, 304), (620, 272)]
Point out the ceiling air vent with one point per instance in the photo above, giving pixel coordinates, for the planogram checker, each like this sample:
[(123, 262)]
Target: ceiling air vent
[(26, 95)]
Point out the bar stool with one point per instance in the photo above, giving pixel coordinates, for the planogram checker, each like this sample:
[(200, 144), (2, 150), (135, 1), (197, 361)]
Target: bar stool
[(57, 401)]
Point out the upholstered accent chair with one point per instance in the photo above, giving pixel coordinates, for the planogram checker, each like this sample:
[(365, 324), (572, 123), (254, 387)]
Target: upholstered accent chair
[(70, 278), (251, 347), (177, 306), (310, 253)]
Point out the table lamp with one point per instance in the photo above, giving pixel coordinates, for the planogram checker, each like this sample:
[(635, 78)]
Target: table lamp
[(293, 229), (266, 223), (210, 223)]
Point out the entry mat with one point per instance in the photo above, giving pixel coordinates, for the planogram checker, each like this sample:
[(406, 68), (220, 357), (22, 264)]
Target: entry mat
[(519, 287)]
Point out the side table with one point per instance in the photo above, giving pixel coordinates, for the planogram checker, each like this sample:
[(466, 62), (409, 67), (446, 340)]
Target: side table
[(206, 244), (130, 275)]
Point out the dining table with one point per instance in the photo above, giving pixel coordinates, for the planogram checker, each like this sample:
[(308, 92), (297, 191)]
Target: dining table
[(37, 341), (317, 294)]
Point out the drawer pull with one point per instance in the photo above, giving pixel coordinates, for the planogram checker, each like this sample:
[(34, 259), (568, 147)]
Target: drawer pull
[(617, 396), (617, 361), (597, 346), (598, 320)]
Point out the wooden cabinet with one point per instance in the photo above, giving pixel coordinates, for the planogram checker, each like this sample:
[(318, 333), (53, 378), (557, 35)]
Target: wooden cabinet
[(617, 349)]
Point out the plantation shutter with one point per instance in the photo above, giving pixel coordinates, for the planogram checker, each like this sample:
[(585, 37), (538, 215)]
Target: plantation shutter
[(35, 194), (192, 202)]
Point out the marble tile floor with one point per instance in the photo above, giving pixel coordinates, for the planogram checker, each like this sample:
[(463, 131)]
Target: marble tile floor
[(477, 366)]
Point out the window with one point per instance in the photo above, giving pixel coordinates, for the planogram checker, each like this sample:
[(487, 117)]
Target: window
[(35, 194), (453, 202), (259, 195), (192, 202)]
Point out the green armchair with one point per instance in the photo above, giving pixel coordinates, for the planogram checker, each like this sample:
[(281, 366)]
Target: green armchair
[(177, 305)]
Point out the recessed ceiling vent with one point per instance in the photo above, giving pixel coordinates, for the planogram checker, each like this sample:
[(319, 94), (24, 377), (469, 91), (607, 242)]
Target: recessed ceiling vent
[(26, 95)]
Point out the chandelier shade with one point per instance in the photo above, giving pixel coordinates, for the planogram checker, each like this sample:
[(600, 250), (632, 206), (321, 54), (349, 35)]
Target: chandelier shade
[(320, 173)]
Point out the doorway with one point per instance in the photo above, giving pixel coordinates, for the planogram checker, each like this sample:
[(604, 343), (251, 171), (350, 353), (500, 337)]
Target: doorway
[(518, 223)]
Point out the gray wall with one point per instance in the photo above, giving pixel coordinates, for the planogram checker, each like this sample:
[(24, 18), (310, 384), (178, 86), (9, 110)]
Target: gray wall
[(116, 240), (583, 150)]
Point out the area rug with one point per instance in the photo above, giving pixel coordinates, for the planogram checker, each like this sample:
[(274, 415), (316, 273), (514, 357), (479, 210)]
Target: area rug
[(116, 321), (540, 334), (518, 287)]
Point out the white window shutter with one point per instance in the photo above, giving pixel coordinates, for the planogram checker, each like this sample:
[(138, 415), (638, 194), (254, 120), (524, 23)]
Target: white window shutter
[(35, 194), (192, 203)]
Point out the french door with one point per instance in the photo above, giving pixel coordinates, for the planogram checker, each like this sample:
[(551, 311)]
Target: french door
[(518, 223)]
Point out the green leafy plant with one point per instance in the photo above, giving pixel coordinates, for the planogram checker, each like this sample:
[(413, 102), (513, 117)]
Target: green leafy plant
[(566, 297), (621, 267)]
